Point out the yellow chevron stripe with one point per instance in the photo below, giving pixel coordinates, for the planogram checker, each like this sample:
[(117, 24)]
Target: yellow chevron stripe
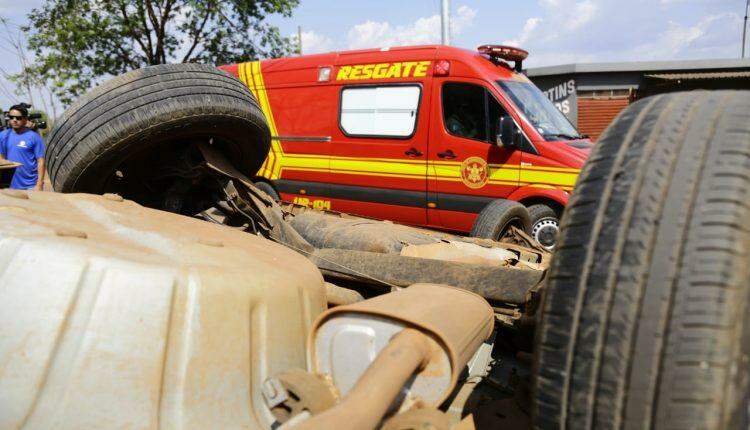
[(250, 74), (247, 78), (274, 163)]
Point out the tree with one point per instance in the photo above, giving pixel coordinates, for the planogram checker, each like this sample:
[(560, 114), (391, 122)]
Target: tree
[(13, 43), (77, 42)]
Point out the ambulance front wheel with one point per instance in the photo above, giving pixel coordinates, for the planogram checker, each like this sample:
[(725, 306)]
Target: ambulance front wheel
[(545, 223), (498, 216)]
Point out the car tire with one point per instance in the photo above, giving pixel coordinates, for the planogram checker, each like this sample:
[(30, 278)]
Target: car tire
[(645, 320), (499, 215), (545, 225), (268, 189), (148, 115)]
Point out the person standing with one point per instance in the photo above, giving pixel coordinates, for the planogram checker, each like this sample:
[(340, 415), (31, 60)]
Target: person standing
[(25, 146)]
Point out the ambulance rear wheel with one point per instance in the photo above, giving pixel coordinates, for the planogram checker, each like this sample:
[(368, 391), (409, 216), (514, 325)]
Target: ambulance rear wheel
[(268, 189), (498, 217), (645, 320), (544, 225)]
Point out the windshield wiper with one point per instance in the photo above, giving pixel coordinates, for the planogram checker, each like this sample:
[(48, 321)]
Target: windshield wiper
[(564, 136)]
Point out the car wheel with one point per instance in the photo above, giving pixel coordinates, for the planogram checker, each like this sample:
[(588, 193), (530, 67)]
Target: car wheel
[(133, 135), (498, 216), (645, 322), (544, 225)]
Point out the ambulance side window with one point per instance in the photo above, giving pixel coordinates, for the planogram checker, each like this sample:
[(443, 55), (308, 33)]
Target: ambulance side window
[(470, 111), (379, 111)]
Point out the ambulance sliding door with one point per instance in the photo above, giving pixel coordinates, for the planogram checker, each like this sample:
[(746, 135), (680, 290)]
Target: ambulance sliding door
[(378, 161)]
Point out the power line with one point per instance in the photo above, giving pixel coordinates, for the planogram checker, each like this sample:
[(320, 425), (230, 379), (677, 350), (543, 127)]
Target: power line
[(13, 98), (6, 21)]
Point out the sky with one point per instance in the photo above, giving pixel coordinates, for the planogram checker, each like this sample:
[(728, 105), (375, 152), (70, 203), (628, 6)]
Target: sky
[(553, 31)]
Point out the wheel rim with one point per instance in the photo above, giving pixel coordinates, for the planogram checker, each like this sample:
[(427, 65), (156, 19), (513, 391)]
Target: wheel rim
[(545, 232)]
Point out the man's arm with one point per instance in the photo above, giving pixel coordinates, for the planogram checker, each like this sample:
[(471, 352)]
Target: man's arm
[(40, 179), (3, 149), (39, 154)]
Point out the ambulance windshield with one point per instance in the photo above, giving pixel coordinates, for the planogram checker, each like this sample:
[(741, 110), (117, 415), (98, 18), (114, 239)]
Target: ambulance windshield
[(542, 114)]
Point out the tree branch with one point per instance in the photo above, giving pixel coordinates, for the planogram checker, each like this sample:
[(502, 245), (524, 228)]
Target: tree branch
[(125, 56), (229, 21), (198, 36), (164, 18), (17, 45), (142, 16), (129, 26), (159, 53)]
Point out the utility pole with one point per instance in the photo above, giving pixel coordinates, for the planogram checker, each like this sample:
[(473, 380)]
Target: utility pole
[(299, 40), (744, 28), (445, 22)]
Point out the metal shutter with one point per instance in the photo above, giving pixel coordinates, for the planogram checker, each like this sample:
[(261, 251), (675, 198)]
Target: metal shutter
[(594, 115)]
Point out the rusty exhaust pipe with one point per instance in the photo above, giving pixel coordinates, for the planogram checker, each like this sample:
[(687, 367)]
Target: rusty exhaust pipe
[(368, 401), (387, 353)]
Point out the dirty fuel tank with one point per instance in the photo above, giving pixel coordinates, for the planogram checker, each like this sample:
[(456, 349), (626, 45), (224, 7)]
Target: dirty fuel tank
[(117, 316)]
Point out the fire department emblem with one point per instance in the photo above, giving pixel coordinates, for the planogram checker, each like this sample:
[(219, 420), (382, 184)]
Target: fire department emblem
[(474, 172)]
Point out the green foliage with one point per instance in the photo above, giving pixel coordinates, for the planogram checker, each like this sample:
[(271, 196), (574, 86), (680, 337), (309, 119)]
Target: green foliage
[(77, 42)]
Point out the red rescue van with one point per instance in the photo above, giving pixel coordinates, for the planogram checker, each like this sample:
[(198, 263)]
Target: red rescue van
[(425, 135)]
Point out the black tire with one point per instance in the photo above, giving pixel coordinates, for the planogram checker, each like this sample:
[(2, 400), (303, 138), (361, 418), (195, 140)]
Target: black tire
[(268, 189), (545, 225), (147, 115), (498, 216), (645, 320)]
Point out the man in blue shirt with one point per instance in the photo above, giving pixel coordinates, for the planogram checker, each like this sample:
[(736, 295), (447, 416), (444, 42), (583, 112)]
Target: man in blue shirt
[(25, 146)]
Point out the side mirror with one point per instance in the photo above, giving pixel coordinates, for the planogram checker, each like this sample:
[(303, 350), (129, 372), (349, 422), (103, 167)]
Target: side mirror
[(509, 136)]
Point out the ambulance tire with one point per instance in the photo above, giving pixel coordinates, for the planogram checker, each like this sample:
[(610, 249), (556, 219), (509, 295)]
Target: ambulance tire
[(498, 216), (545, 224), (645, 320), (154, 112), (268, 189)]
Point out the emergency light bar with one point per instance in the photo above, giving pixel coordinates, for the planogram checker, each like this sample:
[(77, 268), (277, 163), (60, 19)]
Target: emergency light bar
[(508, 53)]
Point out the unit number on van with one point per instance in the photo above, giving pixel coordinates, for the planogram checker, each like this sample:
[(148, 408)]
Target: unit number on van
[(318, 204)]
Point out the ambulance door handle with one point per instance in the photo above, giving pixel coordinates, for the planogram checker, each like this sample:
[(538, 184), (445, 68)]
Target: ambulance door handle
[(413, 152), (446, 154)]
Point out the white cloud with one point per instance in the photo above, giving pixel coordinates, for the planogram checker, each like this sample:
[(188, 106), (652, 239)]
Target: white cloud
[(315, 43), (562, 16), (425, 30), (706, 38), (528, 28), (583, 13), (567, 31), (463, 19)]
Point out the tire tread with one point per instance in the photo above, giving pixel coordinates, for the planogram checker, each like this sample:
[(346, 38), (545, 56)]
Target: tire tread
[(620, 318)]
